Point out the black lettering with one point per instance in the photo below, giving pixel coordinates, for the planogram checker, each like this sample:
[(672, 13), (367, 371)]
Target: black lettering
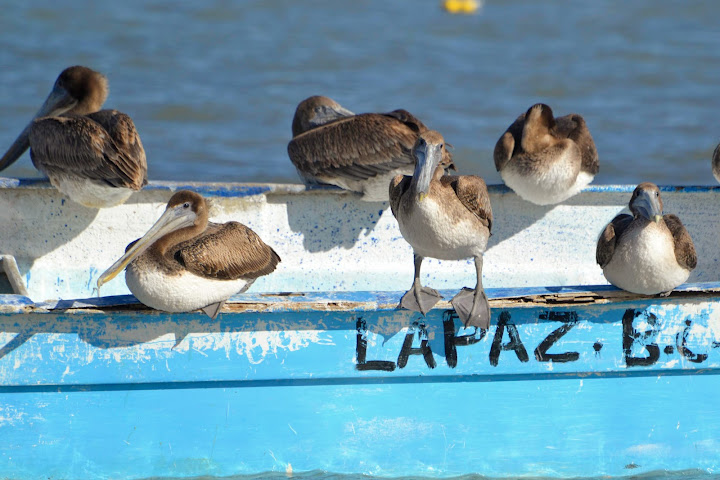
[(569, 319), (514, 344), (630, 336), (361, 351), (682, 345), (452, 341), (424, 349)]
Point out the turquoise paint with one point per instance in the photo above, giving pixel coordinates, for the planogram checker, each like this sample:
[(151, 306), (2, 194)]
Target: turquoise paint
[(560, 428), (119, 392)]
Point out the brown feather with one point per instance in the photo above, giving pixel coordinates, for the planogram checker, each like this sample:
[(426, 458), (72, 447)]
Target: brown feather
[(472, 193), (570, 126), (609, 237), (408, 119), (123, 132), (504, 149), (226, 252), (573, 127), (81, 145), (88, 87), (684, 247), (358, 147), (398, 186)]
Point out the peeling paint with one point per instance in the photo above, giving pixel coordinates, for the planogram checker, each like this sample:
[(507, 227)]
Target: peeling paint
[(648, 449), (11, 416), (522, 250)]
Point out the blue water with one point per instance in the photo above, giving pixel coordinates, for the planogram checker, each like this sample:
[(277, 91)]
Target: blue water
[(212, 85)]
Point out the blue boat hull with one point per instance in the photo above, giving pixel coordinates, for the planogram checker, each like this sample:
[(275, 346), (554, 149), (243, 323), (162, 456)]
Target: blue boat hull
[(566, 382), (526, 427)]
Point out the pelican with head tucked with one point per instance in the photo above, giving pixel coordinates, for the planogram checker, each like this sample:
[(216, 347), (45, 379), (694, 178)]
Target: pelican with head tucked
[(360, 153), (646, 252), (93, 156), (544, 159), (445, 217), (184, 262)]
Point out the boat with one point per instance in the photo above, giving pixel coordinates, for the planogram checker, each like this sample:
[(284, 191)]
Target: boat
[(315, 367)]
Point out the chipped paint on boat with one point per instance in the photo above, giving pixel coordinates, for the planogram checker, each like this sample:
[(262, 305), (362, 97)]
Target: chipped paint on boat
[(570, 380), (326, 236)]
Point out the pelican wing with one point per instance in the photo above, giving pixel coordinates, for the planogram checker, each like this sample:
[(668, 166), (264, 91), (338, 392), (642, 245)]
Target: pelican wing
[(508, 143), (570, 126), (227, 252), (357, 148), (123, 132), (398, 186), (573, 127), (82, 147), (414, 123), (608, 238), (407, 118), (503, 150), (472, 193), (684, 247)]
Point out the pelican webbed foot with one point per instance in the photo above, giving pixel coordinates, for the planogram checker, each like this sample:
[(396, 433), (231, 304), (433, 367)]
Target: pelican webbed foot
[(213, 309), (472, 307), (420, 299)]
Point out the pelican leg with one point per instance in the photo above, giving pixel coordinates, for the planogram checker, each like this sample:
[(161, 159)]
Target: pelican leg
[(418, 298), (472, 305), (213, 309)]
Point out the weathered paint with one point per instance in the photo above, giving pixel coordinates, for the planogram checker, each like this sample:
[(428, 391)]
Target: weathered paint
[(330, 241), (571, 379), (346, 383)]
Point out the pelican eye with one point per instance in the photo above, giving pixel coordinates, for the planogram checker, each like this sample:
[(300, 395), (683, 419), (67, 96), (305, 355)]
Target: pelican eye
[(657, 194), (442, 145), (186, 205)]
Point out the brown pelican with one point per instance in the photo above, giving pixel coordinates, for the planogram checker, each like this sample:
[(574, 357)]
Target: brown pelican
[(185, 262), (646, 252), (445, 217), (716, 163), (94, 157), (360, 153), (546, 160)]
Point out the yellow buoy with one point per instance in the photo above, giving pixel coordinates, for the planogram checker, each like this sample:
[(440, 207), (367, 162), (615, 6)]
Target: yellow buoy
[(461, 6)]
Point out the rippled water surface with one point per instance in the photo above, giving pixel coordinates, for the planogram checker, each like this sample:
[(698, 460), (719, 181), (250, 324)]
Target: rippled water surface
[(212, 85)]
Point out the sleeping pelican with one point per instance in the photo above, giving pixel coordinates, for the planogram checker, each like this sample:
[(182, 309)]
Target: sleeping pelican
[(185, 262), (94, 157), (360, 153), (546, 160), (445, 217), (646, 252)]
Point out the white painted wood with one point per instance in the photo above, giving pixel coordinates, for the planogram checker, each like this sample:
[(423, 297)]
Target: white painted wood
[(330, 240)]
